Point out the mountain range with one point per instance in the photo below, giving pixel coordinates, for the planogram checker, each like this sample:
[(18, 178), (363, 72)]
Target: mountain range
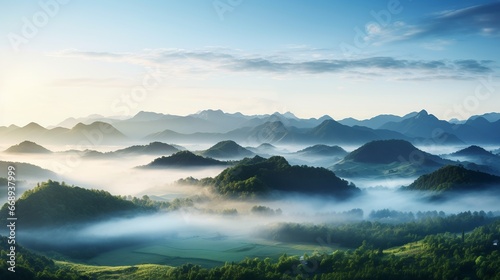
[(214, 126)]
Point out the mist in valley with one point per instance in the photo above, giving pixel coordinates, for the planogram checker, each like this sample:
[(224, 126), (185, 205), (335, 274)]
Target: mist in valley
[(211, 219)]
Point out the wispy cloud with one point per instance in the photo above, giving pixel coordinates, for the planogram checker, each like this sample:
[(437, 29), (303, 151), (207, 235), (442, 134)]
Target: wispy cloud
[(481, 20), (234, 61)]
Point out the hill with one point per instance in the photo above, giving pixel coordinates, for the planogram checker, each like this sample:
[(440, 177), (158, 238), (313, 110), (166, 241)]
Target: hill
[(55, 204), (384, 152), (257, 177), (28, 147), (323, 150), (477, 158), (455, 178), (227, 150), (472, 151), (183, 159), (153, 148), (388, 158), (26, 171)]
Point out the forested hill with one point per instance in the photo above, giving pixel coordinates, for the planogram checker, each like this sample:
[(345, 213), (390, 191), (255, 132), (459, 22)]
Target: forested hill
[(52, 203), (455, 178), (183, 159), (258, 176), (388, 151)]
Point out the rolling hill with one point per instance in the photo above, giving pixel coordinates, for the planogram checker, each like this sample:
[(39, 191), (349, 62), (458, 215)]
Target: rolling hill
[(323, 151), (258, 177), (455, 178), (28, 147), (388, 158), (183, 159), (53, 204), (153, 148), (227, 150)]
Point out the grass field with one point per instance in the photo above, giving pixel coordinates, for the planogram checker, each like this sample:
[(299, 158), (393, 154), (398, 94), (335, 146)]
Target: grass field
[(407, 249), (144, 271), (207, 252)]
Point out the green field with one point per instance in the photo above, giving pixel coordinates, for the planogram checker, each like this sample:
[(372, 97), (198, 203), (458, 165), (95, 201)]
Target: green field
[(144, 271), (207, 252)]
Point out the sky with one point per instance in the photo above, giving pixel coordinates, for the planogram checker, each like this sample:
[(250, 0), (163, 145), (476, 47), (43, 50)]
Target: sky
[(74, 58)]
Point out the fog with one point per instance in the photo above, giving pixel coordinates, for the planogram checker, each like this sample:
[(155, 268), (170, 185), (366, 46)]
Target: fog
[(119, 176)]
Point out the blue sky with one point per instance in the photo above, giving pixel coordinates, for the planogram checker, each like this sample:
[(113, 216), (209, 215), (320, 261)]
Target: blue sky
[(341, 58)]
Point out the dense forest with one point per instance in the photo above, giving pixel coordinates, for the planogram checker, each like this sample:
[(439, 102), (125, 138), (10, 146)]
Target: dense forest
[(442, 256), (379, 234), (472, 255)]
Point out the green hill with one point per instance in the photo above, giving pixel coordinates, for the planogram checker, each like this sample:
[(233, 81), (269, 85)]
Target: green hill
[(227, 150), (386, 151), (455, 178), (258, 176), (388, 158), (473, 151), (28, 147), (183, 159), (52, 203), (153, 148), (323, 150)]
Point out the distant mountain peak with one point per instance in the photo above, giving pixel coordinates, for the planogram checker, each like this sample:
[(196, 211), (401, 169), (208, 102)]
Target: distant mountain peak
[(473, 151), (33, 125), (28, 147), (422, 114)]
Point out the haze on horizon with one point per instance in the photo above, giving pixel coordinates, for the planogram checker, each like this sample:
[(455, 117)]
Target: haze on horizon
[(75, 58)]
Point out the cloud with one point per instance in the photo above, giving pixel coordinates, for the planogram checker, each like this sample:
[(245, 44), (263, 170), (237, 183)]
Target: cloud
[(480, 20), (209, 61)]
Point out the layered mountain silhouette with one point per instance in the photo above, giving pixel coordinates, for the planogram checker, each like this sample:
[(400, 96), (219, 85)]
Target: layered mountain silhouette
[(377, 121), (477, 158), (215, 125), (92, 134), (427, 126)]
